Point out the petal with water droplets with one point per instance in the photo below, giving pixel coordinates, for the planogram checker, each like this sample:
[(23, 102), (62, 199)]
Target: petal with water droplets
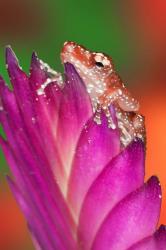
[(75, 110), (97, 145)]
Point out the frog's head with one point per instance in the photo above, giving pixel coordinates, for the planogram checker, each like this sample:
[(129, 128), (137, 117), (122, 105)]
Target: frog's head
[(94, 68)]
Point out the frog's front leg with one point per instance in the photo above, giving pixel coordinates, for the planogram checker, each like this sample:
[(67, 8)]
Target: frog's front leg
[(106, 109), (121, 97), (122, 100)]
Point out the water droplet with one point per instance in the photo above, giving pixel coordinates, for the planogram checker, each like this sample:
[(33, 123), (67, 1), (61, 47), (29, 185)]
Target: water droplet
[(33, 120)]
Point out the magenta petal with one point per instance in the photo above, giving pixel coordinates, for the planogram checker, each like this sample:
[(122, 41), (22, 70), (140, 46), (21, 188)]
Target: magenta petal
[(46, 107), (10, 116), (37, 115), (24, 97), (160, 238), (34, 177), (11, 162), (49, 219), (15, 130), (37, 74), (155, 242), (97, 145), (132, 219), (20, 83), (39, 232), (121, 176), (75, 110), (49, 100)]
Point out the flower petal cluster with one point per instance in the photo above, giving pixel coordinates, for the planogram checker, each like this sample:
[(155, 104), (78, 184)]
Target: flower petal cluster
[(78, 189)]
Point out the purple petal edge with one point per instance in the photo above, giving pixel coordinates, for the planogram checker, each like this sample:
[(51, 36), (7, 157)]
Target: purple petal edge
[(155, 242), (133, 219)]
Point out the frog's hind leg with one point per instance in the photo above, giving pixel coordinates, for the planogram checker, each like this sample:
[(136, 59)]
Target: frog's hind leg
[(126, 127)]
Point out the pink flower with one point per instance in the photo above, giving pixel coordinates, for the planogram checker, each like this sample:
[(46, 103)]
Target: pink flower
[(75, 185)]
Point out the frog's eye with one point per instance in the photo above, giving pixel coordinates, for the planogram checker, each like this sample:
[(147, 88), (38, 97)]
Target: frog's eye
[(99, 64)]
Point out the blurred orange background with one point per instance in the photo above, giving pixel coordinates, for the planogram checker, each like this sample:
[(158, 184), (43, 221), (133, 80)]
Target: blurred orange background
[(133, 32)]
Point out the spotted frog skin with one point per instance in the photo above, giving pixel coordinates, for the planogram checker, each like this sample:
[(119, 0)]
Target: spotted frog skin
[(105, 88)]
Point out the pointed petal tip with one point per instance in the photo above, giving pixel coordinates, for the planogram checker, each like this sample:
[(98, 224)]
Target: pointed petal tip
[(34, 56), (10, 56), (34, 53), (72, 74), (154, 191), (34, 60), (69, 67), (154, 183), (162, 228), (154, 180), (137, 146), (160, 236), (133, 206), (8, 48)]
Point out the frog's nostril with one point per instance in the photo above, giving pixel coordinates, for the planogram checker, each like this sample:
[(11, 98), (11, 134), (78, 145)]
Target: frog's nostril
[(69, 46)]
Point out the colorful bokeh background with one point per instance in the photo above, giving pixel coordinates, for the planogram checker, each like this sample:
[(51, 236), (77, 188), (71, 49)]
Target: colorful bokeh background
[(133, 32)]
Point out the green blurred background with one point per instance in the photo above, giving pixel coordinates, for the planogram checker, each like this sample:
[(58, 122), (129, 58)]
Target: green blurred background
[(132, 32)]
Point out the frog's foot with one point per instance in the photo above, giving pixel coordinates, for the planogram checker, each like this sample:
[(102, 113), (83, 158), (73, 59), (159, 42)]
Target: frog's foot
[(126, 126), (131, 125), (125, 136), (139, 126)]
